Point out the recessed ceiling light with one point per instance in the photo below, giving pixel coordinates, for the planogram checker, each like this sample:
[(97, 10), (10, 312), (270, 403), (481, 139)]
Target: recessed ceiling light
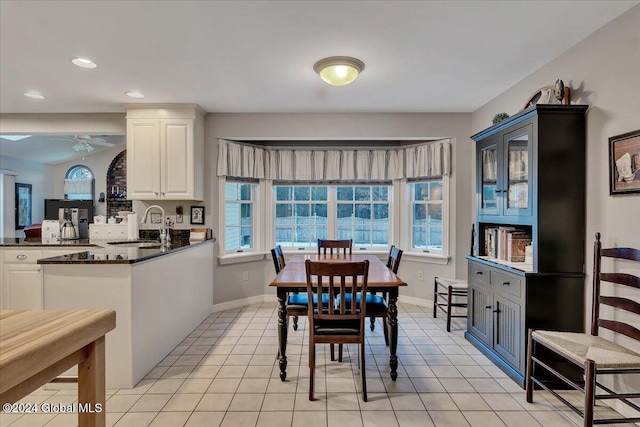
[(338, 70), (84, 62), (34, 95), (134, 94)]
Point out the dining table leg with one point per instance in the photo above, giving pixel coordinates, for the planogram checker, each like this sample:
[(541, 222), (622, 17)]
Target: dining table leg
[(282, 333), (393, 333)]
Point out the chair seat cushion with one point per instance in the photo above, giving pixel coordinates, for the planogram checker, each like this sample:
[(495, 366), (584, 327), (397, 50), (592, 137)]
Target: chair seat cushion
[(580, 347), (302, 299), (337, 327), (371, 299), (454, 283)]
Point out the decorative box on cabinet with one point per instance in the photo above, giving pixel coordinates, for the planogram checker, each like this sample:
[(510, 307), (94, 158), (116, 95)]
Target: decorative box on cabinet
[(530, 178), (108, 231), (165, 152)]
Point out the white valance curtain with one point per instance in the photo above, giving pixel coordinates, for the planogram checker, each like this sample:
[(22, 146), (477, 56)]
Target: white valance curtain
[(77, 186), (241, 160)]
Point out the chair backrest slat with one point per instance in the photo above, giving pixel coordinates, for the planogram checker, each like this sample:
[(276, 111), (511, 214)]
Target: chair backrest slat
[(345, 245), (623, 253), (619, 278), (621, 328), (623, 303)]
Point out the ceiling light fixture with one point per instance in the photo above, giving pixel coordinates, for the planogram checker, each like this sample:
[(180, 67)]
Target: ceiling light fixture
[(338, 70), (34, 95), (84, 62), (83, 146), (134, 94)]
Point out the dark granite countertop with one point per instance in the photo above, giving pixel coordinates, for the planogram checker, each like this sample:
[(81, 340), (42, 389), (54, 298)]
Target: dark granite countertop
[(45, 242), (122, 254)]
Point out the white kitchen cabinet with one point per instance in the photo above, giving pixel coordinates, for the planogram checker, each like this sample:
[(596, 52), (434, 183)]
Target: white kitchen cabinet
[(21, 287), (21, 279), (165, 153)]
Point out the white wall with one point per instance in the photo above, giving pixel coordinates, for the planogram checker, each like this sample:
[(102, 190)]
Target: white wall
[(228, 284), (34, 173), (603, 71)]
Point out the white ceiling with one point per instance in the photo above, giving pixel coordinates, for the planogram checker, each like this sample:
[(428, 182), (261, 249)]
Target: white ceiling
[(51, 150), (257, 56)]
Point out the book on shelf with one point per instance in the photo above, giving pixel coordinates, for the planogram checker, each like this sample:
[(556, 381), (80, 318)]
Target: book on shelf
[(506, 243)]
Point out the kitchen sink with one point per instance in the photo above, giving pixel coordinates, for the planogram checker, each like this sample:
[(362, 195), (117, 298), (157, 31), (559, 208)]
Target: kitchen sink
[(149, 244)]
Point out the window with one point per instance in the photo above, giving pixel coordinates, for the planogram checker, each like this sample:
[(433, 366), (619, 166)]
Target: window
[(78, 183), (306, 213), (239, 216), (363, 215), (300, 215), (427, 215)]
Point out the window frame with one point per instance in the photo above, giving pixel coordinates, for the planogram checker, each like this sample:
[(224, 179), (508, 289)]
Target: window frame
[(67, 176), (256, 210)]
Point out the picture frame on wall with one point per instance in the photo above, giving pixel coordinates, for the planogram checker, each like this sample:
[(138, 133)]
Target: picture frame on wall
[(197, 215), (23, 206), (624, 163)]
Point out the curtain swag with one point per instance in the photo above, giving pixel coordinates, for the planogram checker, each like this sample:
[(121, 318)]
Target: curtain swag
[(417, 161), (77, 186)]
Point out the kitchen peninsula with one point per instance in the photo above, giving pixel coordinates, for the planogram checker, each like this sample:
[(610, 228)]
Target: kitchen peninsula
[(160, 294)]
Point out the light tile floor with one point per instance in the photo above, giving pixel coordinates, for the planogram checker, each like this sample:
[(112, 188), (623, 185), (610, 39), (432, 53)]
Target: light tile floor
[(225, 374)]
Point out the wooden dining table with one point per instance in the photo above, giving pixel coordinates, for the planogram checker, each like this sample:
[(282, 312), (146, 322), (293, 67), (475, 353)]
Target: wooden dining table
[(293, 278), (38, 345)]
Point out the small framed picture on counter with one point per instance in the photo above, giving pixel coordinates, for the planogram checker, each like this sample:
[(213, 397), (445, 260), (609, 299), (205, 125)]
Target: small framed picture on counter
[(197, 214)]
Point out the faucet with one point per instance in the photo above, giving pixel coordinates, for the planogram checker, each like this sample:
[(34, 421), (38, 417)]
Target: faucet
[(163, 235)]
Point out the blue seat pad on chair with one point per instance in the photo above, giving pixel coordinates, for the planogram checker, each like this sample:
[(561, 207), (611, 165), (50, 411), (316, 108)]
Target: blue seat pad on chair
[(303, 299), (372, 300)]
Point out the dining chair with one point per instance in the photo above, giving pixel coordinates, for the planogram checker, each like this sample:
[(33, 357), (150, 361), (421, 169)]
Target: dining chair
[(345, 245), (378, 305), (297, 304), (336, 321), (592, 355)]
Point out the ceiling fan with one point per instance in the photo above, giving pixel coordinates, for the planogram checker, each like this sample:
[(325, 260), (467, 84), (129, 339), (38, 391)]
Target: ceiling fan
[(84, 142)]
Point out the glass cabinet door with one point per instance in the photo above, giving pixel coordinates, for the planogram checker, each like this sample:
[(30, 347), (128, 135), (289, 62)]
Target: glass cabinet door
[(517, 188), (488, 179)]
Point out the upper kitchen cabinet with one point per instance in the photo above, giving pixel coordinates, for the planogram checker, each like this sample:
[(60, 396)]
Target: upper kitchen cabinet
[(165, 152)]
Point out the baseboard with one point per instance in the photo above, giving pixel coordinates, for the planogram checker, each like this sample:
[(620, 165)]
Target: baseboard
[(258, 299), (415, 301)]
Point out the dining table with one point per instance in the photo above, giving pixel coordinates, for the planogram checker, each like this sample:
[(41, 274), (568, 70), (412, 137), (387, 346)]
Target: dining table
[(293, 278), (36, 346)]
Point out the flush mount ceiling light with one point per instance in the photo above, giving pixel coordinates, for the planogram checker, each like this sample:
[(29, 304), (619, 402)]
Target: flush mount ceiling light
[(134, 94), (338, 70), (34, 95), (84, 62)]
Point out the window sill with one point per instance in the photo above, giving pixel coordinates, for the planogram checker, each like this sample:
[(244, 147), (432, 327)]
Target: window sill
[(426, 257), (241, 257)]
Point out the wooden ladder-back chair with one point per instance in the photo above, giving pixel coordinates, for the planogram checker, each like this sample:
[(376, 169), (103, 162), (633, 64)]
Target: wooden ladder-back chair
[(592, 354), (336, 321), (296, 303), (345, 245), (377, 306)]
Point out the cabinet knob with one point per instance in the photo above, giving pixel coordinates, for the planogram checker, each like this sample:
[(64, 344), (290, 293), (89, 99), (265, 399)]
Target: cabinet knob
[(478, 272), (496, 311), (21, 257), (505, 283), (488, 307)]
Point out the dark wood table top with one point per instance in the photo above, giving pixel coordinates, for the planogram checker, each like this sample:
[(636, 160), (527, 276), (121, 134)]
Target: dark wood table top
[(294, 275)]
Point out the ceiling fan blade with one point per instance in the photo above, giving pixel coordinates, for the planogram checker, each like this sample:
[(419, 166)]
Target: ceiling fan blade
[(89, 148), (102, 143)]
